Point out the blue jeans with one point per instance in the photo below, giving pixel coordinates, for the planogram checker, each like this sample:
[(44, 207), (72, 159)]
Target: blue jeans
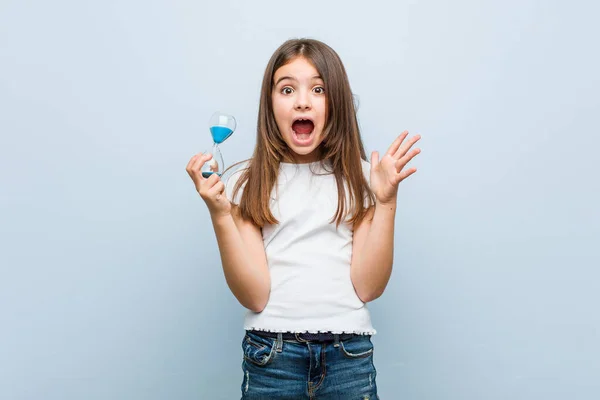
[(277, 369)]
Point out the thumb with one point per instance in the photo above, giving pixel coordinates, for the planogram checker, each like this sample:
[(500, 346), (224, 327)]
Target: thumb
[(374, 159)]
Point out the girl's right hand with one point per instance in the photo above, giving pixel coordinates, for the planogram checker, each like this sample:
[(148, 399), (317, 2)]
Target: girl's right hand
[(211, 189)]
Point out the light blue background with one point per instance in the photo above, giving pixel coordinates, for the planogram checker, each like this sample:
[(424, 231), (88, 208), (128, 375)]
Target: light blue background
[(110, 281)]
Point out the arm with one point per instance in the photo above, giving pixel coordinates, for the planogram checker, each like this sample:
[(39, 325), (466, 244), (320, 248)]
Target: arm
[(244, 260), (240, 241), (373, 252), (373, 240)]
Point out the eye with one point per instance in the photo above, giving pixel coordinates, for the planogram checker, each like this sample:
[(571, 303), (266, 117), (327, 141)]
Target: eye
[(319, 90), (287, 90)]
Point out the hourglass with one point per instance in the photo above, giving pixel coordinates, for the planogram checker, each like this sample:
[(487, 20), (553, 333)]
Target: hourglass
[(221, 127)]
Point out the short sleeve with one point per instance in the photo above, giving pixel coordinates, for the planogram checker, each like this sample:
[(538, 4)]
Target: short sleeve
[(231, 178)]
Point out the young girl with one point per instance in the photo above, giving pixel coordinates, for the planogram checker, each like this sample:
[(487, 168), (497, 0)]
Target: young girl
[(306, 232)]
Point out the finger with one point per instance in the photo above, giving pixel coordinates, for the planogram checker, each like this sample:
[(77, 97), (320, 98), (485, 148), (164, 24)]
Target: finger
[(396, 143), (206, 186), (406, 146), (200, 161), (405, 174), (406, 159), (374, 158), (214, 165), (211, 181), (217, 190), (188, 167)]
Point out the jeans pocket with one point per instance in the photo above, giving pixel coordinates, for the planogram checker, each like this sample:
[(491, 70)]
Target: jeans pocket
[(258, 350), (357, 347)]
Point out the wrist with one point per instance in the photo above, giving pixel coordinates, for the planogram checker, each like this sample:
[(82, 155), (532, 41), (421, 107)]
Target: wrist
[(220, 218), (387, 204)]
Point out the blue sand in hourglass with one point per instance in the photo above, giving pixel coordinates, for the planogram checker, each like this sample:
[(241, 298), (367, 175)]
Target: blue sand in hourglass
[(209, 173), (220, 133)]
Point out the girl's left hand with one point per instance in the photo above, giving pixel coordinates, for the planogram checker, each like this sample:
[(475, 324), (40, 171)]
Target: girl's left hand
[(387, 174)]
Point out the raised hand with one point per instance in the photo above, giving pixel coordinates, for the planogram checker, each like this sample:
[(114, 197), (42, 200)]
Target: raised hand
[(211, 189), (389, 172)]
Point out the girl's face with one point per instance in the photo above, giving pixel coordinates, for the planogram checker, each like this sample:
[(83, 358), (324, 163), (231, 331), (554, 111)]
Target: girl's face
[(299, 107)]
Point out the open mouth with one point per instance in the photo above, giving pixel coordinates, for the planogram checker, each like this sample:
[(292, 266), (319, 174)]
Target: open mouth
[(303, 129)]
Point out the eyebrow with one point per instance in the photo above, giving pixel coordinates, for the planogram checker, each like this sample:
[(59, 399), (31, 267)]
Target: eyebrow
[(294, 79)]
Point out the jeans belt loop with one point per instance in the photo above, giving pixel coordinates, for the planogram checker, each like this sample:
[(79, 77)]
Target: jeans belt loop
[(279, 347)]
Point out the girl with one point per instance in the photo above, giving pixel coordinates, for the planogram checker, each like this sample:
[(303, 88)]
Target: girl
[(305, 232)]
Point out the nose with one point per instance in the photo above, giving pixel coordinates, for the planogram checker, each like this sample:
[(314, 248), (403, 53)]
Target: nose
[(302, 102)]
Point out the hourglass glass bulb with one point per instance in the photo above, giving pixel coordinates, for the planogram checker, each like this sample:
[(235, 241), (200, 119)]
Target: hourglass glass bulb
[(221, 127), (215, 164)]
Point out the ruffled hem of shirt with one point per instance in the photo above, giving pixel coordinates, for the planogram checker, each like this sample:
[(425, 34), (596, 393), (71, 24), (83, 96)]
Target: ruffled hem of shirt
[(335, 332)]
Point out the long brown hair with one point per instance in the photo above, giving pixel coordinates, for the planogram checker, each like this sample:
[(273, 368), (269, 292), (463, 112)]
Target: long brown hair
[(342, 144)]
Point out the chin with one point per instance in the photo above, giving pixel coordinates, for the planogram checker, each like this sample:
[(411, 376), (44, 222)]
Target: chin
[(304, 155), (308, 152)]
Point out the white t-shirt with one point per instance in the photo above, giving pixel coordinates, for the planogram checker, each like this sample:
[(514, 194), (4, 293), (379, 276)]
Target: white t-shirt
[(308, 257)]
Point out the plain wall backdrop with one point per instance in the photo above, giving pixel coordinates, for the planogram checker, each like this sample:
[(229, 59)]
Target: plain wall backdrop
[(110, 279)]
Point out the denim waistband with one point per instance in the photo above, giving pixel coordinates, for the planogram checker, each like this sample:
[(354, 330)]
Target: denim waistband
[(306, 337)]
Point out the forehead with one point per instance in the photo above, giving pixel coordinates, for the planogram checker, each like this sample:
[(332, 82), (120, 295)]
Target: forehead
[(299, 68)]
